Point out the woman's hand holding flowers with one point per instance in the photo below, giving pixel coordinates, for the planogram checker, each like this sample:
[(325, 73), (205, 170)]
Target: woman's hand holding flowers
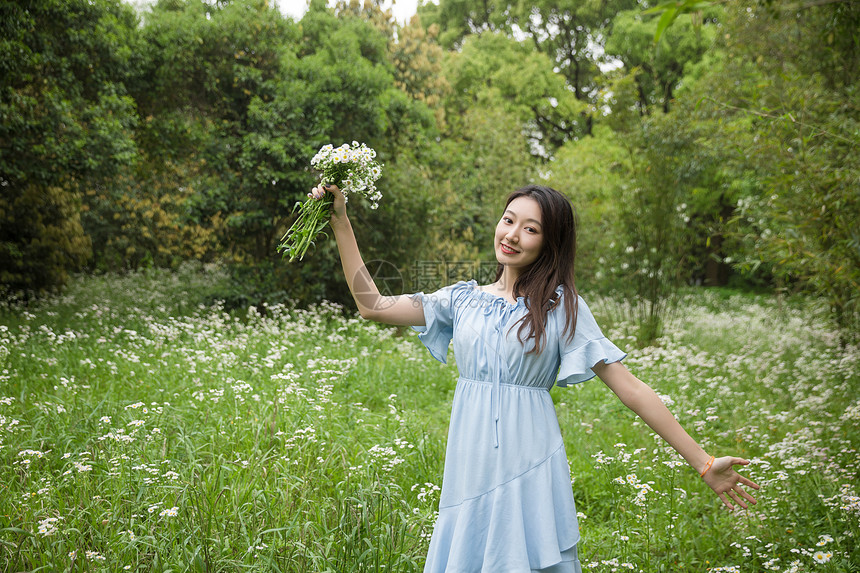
[(338, 208), (345, 170)]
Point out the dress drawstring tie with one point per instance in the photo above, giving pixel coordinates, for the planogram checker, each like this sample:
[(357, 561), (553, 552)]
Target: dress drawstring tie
[(501, 366), (495, 392)]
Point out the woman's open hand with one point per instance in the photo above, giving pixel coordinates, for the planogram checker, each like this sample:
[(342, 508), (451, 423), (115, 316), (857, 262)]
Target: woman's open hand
[(339, 205), (726, 482)]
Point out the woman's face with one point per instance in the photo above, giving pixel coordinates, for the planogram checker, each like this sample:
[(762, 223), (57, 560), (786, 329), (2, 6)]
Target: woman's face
[(519, 234)]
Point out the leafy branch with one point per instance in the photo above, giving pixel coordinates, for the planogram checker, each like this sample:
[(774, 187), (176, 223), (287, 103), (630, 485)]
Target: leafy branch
[(787, 115), (674, 8)]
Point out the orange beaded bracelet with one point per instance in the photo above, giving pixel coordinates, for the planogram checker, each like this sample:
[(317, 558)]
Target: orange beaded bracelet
[(707, 467)]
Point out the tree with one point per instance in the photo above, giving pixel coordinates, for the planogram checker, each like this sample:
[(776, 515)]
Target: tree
[(571, 33), (592, 173), (786, 130), (659, 68), (212, 94), (238, 99), (67, 124), (417, 59), (802, 144), (493, 70), (467, 178)]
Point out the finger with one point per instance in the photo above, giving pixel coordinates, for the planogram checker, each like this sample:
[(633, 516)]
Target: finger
[(748, 482), (738, 500), (744, 493), (726, 501), (740, 462)]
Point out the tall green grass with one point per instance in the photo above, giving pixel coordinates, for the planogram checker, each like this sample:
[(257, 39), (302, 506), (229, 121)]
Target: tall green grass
[(144, 428)]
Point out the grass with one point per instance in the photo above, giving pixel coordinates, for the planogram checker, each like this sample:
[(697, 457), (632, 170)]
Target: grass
[(144, 428)]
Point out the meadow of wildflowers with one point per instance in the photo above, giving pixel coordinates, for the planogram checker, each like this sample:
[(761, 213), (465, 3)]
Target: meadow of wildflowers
[(145, 428)]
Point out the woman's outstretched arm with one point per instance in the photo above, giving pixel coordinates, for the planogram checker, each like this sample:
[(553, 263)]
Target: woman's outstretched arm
[(372, 305), (639, 397)]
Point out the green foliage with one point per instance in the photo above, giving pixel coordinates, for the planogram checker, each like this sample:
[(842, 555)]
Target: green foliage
[(790, 137), (760, 168), (41, 238), (657, 237), (493, 70), (478, 169), (189, 135), (417, 58), (65, 127), (593, 173), (669, 12), (804, 218), (652, 202), (654, 199), (219, 76), (565, 31), (457, 19), (659, 68), (144, 219), (345, 66)]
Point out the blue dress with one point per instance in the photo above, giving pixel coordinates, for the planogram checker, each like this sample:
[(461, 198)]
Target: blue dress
[(506, 503)]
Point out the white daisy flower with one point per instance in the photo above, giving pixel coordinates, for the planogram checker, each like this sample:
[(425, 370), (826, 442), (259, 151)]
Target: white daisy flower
[(822, 557)]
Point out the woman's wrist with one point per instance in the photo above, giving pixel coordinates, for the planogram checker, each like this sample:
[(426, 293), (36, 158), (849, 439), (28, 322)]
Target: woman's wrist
[(338, 220), (706, 467)]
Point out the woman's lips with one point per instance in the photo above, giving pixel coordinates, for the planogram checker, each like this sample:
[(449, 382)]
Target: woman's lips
[(507, 250)]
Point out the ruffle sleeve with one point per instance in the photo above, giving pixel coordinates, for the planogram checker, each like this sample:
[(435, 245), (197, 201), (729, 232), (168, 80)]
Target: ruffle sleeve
[(587, 348), (438, 329)]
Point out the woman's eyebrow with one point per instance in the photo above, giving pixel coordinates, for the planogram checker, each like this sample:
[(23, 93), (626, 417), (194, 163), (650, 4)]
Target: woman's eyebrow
[(535, 221)]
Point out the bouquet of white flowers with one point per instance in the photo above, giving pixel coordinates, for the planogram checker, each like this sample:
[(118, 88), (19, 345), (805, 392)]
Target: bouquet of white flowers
[(353, 169)]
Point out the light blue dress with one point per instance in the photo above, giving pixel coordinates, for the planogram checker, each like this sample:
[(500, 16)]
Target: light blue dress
[(506, 502)]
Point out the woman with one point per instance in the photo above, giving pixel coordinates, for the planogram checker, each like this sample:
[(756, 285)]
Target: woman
[(506, 501)]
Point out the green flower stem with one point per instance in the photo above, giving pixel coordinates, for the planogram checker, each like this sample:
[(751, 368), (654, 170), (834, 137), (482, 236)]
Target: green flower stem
[(313, 217)]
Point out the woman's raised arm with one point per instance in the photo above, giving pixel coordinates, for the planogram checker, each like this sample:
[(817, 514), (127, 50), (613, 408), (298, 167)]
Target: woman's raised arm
[(400, 309)]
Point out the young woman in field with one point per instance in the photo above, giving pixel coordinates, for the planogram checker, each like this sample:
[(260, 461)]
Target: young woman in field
[(506, 502)]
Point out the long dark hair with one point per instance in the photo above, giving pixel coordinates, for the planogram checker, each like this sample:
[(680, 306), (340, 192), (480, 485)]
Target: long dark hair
[(554, 266)]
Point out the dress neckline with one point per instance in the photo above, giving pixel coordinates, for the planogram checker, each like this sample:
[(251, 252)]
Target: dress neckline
[(476, 287), (494, 297)]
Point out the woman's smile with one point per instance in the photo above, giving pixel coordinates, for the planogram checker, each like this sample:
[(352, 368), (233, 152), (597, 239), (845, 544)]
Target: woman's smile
[(518, 235)]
